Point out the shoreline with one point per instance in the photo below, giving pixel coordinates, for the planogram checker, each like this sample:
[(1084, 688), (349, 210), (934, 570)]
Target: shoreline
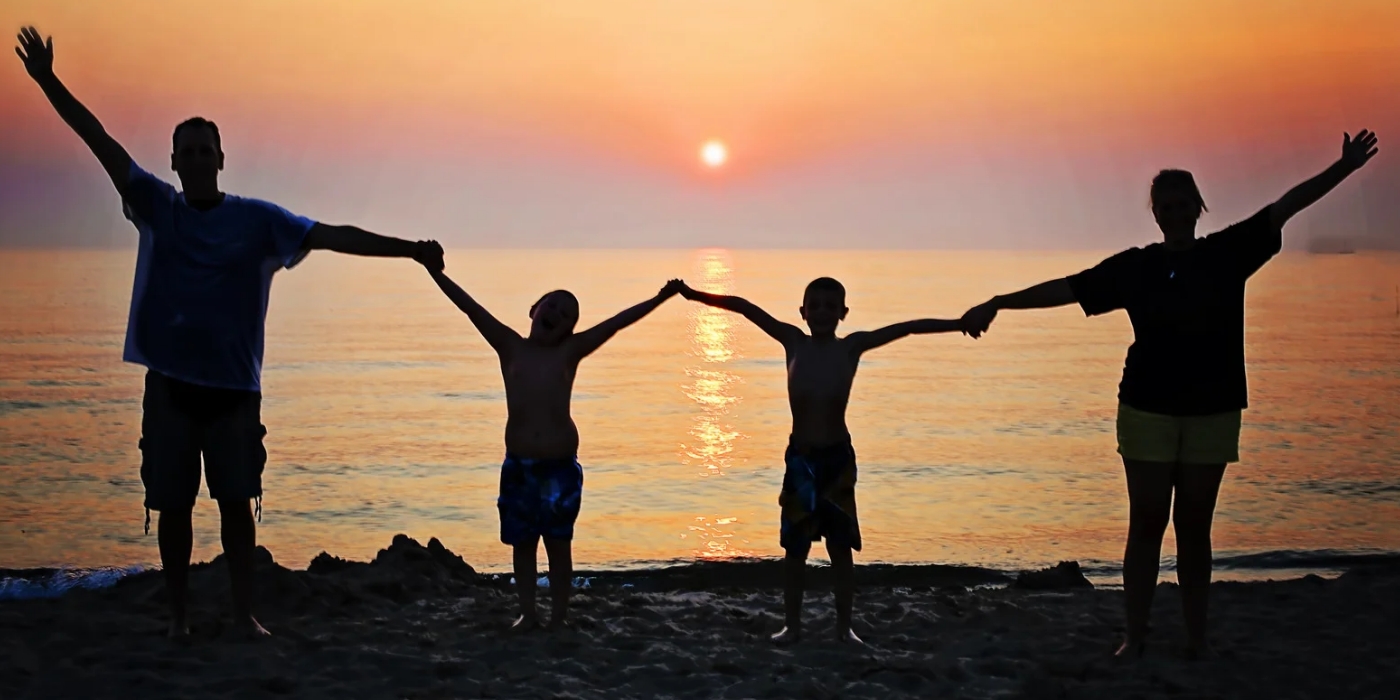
[(420, 622), (1282, 565)]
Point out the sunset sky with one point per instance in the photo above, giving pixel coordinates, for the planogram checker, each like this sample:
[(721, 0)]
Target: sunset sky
[(572, 123)]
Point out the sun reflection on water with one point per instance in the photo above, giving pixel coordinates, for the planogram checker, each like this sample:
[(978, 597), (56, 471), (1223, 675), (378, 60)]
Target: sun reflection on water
[(712, 387)]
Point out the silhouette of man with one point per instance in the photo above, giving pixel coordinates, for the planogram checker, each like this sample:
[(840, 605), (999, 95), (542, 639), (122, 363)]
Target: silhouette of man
[(203, 270)]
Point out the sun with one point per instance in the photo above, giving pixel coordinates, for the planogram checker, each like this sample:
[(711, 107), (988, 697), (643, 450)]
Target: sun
[(714, 153)]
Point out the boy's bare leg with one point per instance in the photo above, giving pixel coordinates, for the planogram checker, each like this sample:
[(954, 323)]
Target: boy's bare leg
[(1149, 509), (843, 572), (526, 574), (1197, 487), (240, 539), (794, 575), (561, 576), (175, 533)]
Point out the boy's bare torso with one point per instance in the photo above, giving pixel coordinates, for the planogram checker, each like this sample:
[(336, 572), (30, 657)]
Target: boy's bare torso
[(820, 374), (539, 382)]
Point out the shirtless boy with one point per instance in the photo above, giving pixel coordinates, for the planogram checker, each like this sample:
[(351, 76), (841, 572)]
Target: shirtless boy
[(541, 480), (818, 494)]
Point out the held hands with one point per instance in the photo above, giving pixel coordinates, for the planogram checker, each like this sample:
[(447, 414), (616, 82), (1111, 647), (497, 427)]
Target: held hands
[(36, 53), (684, 290), (978, 319), (429, 254), (672, 288), (1356, 151)]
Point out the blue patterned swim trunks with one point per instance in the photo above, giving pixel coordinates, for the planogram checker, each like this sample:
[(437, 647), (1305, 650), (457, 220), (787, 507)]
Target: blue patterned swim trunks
[(539, 498)]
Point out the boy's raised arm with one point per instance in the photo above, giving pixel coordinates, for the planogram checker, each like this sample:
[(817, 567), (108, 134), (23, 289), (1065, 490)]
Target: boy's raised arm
[(587, 342), (862, 341), (777, 330), (498, 335)]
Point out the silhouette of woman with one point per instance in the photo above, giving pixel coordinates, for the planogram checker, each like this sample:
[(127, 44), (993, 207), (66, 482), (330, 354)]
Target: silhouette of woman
[(1183, 387)]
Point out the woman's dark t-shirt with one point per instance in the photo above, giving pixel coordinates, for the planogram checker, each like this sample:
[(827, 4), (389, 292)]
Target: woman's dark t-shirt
[(1187, 310)]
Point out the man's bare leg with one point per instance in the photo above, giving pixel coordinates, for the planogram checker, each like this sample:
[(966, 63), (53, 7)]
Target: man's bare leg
[(526, 573), (794, 575), (1197, 487), (561, 577), (240, 539), (1149, 509), (843, 571), (175, 533)]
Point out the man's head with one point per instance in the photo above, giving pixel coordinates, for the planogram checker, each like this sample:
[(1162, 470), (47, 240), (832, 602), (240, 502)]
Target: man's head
[(554, 316), (198, 153), (824, 305), (1176, 204)]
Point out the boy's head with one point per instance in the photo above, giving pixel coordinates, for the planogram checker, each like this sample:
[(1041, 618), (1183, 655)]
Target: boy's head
[(824, 305), (554, 316)]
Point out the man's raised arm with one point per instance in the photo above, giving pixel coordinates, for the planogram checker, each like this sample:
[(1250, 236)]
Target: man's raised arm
[(37, 55), (777, 330)]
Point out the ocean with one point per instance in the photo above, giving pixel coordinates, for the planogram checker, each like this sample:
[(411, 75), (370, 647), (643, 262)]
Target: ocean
[(385, 412)]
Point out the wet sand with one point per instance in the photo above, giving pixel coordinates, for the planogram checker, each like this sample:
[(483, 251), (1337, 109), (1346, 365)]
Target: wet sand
[(418, 622)]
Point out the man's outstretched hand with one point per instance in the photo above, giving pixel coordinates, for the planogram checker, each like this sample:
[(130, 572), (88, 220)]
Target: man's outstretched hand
[(1356, 151), (36, 53), (429, 254)]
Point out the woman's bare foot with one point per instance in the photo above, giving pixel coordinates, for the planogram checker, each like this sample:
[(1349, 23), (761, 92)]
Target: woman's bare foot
[(849, 637), (1131, 649), (525, 623), (787, 636)]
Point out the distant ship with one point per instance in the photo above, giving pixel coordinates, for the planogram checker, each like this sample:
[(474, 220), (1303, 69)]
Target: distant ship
[(1331, 246)]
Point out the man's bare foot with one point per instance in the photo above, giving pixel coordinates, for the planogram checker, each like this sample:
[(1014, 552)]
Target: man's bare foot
[(849, 637), (248, 628), (525, 623), (787, 636), (1131, 649)]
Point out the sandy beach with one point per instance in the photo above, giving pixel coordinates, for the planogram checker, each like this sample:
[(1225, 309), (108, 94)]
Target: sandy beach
[(418, 622)]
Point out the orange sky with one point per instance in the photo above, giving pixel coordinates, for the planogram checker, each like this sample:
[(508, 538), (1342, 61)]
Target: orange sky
[(601, 104)]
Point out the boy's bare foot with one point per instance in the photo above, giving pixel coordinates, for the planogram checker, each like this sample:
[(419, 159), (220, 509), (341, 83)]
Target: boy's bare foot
[(849, 637), (525, 623), (248, 628), (787, 637), (1131, 649)]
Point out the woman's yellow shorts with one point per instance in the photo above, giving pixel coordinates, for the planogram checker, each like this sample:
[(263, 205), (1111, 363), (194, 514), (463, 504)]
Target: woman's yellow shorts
[(1155, 437)]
